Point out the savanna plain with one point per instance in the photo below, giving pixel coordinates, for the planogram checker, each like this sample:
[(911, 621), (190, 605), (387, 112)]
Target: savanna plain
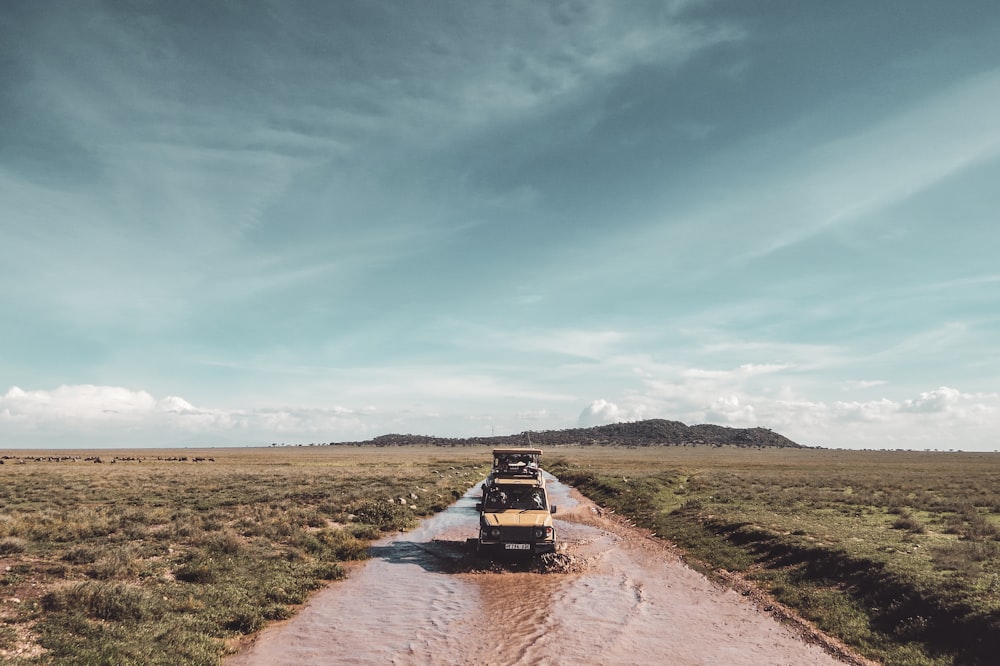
[(166, 557)]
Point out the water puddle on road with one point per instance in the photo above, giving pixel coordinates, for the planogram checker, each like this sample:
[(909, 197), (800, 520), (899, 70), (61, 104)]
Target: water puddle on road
[(614, 597)]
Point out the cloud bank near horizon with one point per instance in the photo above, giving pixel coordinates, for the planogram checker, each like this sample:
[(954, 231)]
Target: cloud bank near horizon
[(88, 416)]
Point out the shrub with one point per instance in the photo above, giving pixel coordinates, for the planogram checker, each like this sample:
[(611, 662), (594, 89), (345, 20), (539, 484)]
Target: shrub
[(250, 527), (81, 554), (116, 564), (12, 546), (8, 637), (387, 516), (971, 525), (185, 526), (276, 612), (980, 527), (344, 545), (197, 571), (224, 543), (909, 523), (964, 556), (310, 543), (329, 571), (314, 519), (286, 593), (246, 621), (116, 602), (363, 531)]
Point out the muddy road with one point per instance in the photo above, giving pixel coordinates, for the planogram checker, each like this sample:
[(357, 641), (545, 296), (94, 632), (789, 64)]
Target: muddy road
[(613, 596)]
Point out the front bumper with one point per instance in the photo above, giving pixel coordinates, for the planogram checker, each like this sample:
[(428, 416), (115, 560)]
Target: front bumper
[(513, 548), (515, 541)]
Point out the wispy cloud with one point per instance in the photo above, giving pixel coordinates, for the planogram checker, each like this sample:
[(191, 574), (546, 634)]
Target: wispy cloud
[(857, 176), (592, 344), (493, 72), (816, 177), (88, 415), (453, 215), (863, 384)]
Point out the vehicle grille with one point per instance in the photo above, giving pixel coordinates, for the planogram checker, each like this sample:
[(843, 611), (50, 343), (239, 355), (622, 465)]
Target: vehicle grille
[(517, 534)]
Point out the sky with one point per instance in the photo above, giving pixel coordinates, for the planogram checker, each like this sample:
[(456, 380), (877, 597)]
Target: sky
[(245, 223)]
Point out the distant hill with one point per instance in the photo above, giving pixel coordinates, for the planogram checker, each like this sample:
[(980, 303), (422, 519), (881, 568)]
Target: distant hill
[(653, 432)]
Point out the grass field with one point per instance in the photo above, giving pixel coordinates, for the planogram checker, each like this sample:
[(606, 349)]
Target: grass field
[(896, 553), (169, 560)]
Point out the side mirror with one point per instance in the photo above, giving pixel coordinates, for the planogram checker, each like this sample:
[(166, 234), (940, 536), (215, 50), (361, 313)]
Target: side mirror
[(553, 509), (479, 506)]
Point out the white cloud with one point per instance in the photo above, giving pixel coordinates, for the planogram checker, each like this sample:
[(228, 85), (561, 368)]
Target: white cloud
[(112, 415), (871, 411), (88, 415), (729, 409), (73, 403), (863, 384), (942, 418), (754, 369), (176, 405), (744, 371), (941, 399), (536, 415), (601, 411), (575, 342), (582, 342)]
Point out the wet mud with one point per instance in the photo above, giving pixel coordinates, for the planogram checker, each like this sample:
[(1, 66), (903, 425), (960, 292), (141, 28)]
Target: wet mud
[(611, 595)]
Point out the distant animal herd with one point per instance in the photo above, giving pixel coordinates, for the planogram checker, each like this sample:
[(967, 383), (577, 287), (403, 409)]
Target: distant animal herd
[(22, 460)]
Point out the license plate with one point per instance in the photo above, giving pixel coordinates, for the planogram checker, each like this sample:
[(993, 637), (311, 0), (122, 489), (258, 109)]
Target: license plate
[(517, 546)]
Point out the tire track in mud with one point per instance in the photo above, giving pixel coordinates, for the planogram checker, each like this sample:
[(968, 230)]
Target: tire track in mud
[(611, 595)]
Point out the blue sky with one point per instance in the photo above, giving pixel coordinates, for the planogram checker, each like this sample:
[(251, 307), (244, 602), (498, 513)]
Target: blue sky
[(256, 222)]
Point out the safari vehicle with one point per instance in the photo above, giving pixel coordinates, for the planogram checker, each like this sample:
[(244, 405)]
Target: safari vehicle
[(515, 517), (517, 463)]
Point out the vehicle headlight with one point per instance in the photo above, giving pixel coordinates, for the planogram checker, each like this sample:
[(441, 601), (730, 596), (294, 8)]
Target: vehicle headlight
[(539, 532), (495, 533)]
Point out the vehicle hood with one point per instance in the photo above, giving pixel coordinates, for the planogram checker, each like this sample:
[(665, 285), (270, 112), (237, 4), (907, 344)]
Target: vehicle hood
[(518, 518)]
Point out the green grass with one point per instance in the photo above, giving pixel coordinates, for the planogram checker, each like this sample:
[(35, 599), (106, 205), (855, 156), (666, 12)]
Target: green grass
[(169, 561), (895, 553)]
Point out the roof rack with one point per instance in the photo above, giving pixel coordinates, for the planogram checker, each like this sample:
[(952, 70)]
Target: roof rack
[(515, 463)]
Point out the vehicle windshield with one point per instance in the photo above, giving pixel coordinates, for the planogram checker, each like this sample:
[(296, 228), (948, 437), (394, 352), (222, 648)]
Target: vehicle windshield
[(502, 498)]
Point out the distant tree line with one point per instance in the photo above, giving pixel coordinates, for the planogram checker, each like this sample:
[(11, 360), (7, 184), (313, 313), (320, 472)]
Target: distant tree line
[(652, 432)]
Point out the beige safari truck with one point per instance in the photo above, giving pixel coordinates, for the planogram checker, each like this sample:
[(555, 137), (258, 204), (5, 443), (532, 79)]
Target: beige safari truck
[(515, 516), (515, 463)]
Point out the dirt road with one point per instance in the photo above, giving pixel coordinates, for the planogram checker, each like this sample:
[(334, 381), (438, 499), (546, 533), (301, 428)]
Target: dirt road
[(620, 598)]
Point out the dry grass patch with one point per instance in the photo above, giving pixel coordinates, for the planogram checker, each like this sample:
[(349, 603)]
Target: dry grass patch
[(161, 561), (894, 552)]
